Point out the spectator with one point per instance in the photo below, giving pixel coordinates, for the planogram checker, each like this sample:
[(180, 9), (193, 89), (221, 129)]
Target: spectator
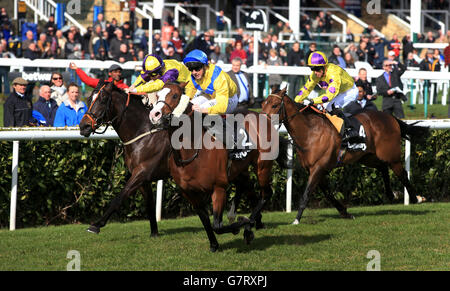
[(336, 57), (44, 47), (430, 37), (102, 55), (61, 41), (97, 41), (244, 89), (116, 43), (411, 61), (157, 43), (352, 49), (85, 44), (238, 52), (217, 57), (431, 64), (307, 33), (178, 43), (362, 52), (124, 55), (51, 38), (127, 32), (362, 81), (111, 28), (407, 46), (361, 104), (17, 108), (274, 79), (71, 111), (59, 90), (46, 106), (379, 45), (72, 48), (50, 24), (312, 48), (295, 58), (349, 61), (447, 55), (349, 37), (166, 31), (220, 21), (114, 73), (204, 43), (395, 45), (390, 87), (4, 70), (100, 21), (167, 50), (29, 39)]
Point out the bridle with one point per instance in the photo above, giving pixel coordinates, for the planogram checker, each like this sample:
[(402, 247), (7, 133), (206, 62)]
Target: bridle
[(97, 121), (285, 119)]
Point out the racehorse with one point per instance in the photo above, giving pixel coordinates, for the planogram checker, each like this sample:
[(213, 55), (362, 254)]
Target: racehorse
[(205, 172), (146, 148), (318, 145)]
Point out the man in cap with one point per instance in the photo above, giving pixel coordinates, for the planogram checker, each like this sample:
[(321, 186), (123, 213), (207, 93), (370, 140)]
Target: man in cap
[(114, 73), (17, 110)]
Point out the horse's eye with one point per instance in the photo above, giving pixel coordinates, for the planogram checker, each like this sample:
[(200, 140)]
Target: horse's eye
[(175, 96), (275, 106)]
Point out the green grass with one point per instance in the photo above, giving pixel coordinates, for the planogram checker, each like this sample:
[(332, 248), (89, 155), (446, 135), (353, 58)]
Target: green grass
[(414, 237)]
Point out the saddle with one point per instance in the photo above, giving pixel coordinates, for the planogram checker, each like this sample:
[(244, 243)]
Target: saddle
[(351, 130)]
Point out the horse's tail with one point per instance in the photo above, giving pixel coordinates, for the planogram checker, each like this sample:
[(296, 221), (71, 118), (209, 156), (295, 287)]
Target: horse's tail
[(413, 132), (283, 158)]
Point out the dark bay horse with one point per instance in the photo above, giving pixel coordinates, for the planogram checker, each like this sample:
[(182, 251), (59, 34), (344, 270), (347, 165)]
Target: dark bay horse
[(318, 145), (146, 148), (204, 173)]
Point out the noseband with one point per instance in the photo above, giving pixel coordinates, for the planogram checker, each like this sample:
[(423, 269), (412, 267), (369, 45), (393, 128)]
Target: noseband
[(96, 121)]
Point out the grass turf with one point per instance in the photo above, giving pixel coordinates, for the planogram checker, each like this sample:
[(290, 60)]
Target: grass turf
[(414, 237)]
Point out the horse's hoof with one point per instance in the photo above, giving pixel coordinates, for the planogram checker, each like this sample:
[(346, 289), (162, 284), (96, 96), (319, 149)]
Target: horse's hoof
[(295, 222), (231, 218), (214, 248), (93, 229), (236, 231), (248, 236), (347, 216), (154, 234)]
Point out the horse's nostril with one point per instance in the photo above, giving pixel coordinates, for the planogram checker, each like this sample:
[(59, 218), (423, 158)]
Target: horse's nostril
[(157, 114)]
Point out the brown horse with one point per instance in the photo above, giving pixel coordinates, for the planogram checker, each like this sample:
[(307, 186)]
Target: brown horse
[(204, 172), (318, 145), (146, 148)]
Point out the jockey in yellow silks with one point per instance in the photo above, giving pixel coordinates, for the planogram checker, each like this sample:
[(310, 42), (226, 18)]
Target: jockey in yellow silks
[(339, 85), (340, 90), (157, 72), (211, 89)]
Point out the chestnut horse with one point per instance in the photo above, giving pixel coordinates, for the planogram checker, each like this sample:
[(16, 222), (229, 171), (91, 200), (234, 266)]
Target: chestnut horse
[(318, 145), (146, 148), (204, 172)]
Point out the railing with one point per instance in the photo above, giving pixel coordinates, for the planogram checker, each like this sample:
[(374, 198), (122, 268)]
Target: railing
[(405, 13), (41, 134), (44, 8)]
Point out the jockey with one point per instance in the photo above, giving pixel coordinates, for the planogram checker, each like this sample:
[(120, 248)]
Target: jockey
[(340, 89), (210, 80), (156, 72)]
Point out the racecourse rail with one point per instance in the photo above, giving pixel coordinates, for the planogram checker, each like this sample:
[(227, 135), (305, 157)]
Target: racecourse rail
[(73, 133)]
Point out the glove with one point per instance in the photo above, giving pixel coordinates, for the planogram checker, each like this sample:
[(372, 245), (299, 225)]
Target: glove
[(308, 102)]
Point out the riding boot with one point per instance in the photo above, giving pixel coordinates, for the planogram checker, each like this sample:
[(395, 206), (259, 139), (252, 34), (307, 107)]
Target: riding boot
[(350, 135)]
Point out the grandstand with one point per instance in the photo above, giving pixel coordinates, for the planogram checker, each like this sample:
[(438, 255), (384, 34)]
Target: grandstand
[(326, 23)]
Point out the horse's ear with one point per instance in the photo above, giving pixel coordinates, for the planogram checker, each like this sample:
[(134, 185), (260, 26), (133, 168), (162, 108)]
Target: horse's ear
[(182, 85), (109, 87)]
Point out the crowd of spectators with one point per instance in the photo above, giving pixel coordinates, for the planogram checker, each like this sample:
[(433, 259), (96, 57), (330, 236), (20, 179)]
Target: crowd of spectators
[(109, 40)]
